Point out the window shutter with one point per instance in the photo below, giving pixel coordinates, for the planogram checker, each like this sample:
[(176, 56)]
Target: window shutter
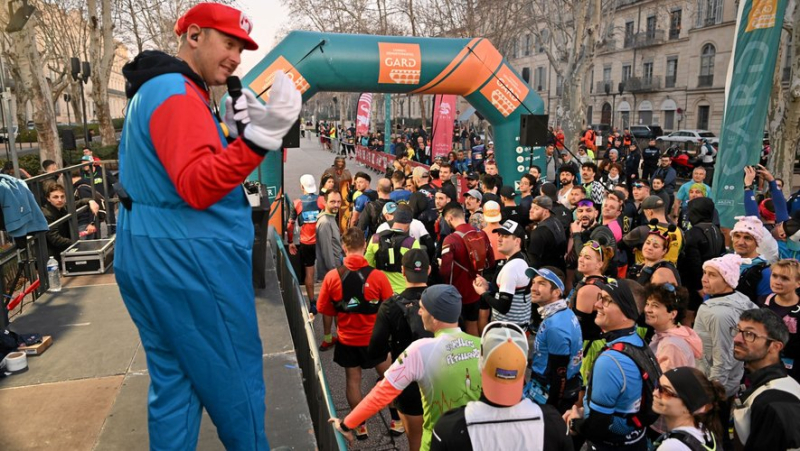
[(701, 6), (718, 11)]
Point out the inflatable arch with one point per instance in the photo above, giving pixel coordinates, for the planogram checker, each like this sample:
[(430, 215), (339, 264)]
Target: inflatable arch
[(472, 68)]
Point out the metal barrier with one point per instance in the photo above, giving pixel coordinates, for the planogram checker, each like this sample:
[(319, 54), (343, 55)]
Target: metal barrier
[(32, 259), (318, 396)]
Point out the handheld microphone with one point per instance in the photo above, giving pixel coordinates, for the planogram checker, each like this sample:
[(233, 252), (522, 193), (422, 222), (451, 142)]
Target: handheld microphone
[(235, 91)]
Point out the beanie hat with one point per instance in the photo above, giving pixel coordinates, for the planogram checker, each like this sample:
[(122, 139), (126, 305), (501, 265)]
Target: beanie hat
[(729, 266), (767, 210), (443, 302), (750, 225), (622, 295)]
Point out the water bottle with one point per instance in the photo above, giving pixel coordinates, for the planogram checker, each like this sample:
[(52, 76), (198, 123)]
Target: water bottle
[(53, 276)]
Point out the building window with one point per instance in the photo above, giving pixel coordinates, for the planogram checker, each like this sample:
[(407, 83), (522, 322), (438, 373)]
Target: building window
[(527, 45), (591, 82), (589, 115), (559, 85), (702, 117), (651, 27), (544, 40), (540, 80), (625, 116), (515, 49), (626, 72), (709, 12), (607, 74), (675, 24), (647, 72), (629, 34), (526, 75), (669, 119), (646, 118), (672, 72), (707, 66)]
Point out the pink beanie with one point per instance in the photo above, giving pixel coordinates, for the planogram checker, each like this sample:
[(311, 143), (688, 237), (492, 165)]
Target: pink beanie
[(750, 225), (729, 266)]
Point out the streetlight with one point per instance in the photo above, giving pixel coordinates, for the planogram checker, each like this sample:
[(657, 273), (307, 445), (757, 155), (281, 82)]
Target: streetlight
[(621, 88), (81, 71)]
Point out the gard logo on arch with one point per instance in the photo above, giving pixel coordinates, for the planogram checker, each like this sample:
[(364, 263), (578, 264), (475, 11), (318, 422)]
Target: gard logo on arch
[(401, 64)]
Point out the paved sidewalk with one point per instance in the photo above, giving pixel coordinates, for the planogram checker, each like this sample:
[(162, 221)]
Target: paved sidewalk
[(89, 390)]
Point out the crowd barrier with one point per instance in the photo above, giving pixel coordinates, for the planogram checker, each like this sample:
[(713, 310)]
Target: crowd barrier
[(315, 385)]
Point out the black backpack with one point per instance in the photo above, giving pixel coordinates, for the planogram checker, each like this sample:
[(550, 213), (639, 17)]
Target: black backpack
[(714, 239), (648, 366), (353, 299), (389, 257), (749, 280), (429, 215), (410, 308)]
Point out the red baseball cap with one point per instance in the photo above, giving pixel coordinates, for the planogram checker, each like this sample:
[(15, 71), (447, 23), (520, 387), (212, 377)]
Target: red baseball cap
[(222, 18)]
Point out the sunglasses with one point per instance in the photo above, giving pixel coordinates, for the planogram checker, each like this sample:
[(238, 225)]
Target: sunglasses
[(595, 246), (673, 290), (666, 392), (586, 203), (639, 185)]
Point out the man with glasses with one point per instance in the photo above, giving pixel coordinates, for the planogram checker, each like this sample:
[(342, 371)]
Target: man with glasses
[(611, 416), (766, 414), (714, 318)]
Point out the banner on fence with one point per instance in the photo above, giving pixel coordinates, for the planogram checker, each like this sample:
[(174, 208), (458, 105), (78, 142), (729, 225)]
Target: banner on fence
[(444, 115), (364, 111)]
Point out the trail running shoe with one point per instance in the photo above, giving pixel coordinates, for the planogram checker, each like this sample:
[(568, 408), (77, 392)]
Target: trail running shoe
[(328, 345), (361, 432), (396, 428)]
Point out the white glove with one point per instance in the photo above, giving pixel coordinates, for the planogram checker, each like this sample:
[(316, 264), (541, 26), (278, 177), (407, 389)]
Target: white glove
[(269, 123), (230, 120)]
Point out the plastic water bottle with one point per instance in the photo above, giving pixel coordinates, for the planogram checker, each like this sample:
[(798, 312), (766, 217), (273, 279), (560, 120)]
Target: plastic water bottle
[(53, 275)]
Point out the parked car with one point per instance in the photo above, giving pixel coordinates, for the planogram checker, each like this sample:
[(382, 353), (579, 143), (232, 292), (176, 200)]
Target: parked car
[(693, 136), (646, 131)]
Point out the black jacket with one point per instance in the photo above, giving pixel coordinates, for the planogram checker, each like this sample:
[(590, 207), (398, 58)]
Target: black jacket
[(58, 237), (702, 242), (773, 414)]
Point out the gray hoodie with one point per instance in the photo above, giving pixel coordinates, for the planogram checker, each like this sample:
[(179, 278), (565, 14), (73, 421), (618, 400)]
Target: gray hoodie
[(715, 318)]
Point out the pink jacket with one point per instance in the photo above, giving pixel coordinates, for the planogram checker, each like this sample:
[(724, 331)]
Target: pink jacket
[(676, 347)]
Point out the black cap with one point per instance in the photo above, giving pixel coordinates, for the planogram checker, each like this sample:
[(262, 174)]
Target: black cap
[(473, 176), (416, 264), (507, 191), (510, 228)]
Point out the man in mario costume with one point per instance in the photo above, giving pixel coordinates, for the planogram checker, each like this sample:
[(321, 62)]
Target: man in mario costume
[(185, 236)]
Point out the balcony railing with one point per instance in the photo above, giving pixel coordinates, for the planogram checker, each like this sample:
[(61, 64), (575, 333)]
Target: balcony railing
[(643, 84), (629, 41), (648, 38), (600, 87), (705, 81), (608, 45), (669, 81)]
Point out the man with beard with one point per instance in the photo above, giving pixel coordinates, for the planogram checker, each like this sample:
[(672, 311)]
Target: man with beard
[(566, 179), (342, 180), (551, 163), (329, 252), (548, 242), (594, 189), (611, 217), (473, 180), (586, 227)]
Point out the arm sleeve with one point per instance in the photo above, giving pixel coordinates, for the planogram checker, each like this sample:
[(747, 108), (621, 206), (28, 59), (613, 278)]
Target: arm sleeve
[(779, 201), (202, 171), (378, 398), (750, 205), (556, 377), (722, 349), (381, 333), (500, 302), (325, 238)]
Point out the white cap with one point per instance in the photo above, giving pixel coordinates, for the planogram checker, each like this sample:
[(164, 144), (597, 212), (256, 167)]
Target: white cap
[(308, 183)]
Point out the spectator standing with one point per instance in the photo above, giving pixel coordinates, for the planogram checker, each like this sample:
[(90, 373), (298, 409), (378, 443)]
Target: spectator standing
[(785, 302), (766, 412), (674, 345), (558, 345), (353, 293), (650, 158), (501, 415), (445, 367), (547, 244), (329, 253)]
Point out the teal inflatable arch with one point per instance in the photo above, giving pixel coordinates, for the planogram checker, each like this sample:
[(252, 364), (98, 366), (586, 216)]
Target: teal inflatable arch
[(472, 68)]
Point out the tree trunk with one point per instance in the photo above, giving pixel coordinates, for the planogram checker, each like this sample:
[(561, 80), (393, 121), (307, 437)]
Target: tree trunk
[(784, 114), (34, 82), (573, 106), (101, 53)]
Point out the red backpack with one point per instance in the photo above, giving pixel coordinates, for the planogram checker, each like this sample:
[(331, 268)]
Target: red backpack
[(476, 250)]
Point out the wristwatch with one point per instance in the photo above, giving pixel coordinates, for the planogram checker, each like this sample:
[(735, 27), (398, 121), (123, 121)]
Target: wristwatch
[(343, 426)]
